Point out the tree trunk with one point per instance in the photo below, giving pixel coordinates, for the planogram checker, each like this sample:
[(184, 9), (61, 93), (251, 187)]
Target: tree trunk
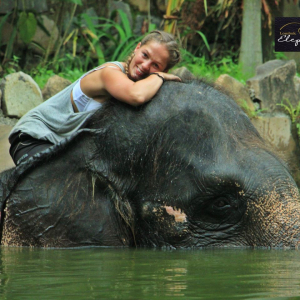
[(251, 43)]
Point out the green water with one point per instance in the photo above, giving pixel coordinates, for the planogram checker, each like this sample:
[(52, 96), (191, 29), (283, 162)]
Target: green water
[(99, 273)]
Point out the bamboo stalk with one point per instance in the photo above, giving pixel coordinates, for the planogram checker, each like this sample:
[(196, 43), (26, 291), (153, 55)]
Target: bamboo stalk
[(65, 35), (47, 53)]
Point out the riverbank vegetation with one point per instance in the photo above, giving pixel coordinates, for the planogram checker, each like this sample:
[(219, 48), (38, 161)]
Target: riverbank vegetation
[(210, 47), (81, 50)]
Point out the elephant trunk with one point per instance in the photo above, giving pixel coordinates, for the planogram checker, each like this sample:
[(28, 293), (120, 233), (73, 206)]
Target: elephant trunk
[(273, 220)]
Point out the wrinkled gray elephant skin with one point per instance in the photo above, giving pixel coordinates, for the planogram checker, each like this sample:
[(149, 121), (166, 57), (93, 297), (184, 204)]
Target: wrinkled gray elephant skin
[(186, 170)]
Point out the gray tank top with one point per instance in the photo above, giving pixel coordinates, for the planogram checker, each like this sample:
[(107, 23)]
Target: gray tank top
[(54, 119)]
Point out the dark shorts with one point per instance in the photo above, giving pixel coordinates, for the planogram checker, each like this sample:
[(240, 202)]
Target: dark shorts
[(24, 146)]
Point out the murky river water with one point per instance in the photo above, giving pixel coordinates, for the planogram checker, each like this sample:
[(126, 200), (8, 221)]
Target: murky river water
[(98, 273)]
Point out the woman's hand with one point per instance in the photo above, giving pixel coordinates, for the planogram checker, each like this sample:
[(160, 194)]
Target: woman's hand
[(169, 77)]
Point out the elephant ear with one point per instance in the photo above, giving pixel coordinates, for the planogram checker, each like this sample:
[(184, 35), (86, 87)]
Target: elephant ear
[(56, 199)]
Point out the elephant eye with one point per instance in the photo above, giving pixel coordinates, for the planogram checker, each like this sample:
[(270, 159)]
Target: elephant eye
[(221, 203), (219, 212), (219, 207)]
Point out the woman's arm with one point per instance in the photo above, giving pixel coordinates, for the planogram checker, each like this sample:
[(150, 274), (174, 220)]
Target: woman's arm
[(117, 84)]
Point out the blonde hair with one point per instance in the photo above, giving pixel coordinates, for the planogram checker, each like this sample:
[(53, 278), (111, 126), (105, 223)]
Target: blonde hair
[(164, 38)]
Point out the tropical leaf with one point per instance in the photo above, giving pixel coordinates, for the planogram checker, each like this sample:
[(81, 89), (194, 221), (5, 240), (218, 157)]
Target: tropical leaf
[(205, 6), (125, 23), (87, 31), (171, 16), (37, 45), (69, 36), (75, 42), (128, 48), (204, 39), (94, 44), (27, 24), (78, 2)]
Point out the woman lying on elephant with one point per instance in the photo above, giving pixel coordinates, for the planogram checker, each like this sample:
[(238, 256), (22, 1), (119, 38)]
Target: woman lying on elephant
[(134, 82)]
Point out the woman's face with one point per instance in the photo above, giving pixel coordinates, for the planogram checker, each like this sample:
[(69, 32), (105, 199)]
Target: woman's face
[(149, 58)]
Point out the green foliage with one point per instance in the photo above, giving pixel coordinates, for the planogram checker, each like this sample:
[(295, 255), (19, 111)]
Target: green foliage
[(217, 23), (280, 55), (173, 8), (41, 75), (117, 41), (78, 2), (252, 114), (298, 129), (93, 44), (13, 65), (188, 31), (118, 38), (204, 39), (202, 67), (292, 111), (22, 23), (27, 24), (112, 39), (71, 69)]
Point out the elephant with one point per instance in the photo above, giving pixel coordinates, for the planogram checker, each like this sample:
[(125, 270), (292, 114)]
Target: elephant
[(186, 170)]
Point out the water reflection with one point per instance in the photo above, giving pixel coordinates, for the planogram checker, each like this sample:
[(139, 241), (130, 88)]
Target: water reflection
[(148, 274)]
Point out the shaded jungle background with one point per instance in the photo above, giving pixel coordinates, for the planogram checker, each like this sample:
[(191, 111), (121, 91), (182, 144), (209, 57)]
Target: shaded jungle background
[(72, 36)]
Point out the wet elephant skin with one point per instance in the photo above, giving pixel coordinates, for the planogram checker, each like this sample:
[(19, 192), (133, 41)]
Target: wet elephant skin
[(186, 170)]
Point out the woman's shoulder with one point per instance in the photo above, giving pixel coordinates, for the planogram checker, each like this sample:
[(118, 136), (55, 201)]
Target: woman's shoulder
[(112, 64), (108, 65)]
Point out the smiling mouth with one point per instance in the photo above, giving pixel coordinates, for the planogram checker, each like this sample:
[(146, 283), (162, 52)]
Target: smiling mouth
[(141, 73)]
